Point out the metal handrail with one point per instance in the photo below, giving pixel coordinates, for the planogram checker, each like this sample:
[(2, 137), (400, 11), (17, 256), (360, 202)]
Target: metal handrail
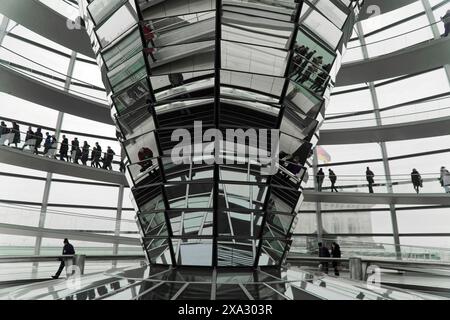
[(371, 261), (22, 259)]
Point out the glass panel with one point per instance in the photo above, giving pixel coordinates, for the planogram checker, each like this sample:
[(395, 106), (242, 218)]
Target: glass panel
[(100, 9), (121, 21), (193, 195)]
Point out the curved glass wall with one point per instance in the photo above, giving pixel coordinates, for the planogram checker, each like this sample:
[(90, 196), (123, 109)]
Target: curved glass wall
[(401, 101)]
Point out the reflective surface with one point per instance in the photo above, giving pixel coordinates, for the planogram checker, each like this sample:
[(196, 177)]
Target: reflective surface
[(248, 65)]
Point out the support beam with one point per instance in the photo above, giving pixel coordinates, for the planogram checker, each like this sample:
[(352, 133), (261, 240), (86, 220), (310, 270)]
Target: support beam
[(378, 198), (424, 56), (37, 17), (384, 153), (19, 230), (393, 132), (372, 7), (20, 158), (19, 85)]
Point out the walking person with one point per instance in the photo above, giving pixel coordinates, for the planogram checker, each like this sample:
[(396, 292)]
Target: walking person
[(333, 179), (68, 249), (47, 143), (39, 138), (323, 253), (16, 131), (335, 253), (30, 140), (416, 180), (3, 128), (73, 151), (446, 20), (85, 153), (109, 157), (445, 179), (77, 154), (53, 148), (320, 178), (370, 179), (96, 155), (63, 151)]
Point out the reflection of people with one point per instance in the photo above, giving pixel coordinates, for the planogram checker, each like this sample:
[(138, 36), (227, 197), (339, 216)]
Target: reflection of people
[(176, 79), (67, 250), (144, 155), (294, 167)]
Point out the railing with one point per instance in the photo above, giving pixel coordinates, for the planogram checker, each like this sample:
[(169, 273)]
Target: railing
[(360, 268), (358, 183), (10, 139), (76, 260), (305, 246)]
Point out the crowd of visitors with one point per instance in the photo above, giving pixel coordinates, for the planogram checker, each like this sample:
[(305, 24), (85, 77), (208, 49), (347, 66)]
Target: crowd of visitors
[(72, 151)]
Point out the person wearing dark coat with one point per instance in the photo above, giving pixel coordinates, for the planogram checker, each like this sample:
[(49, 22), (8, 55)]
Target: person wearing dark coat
[(68, 249), (320, 178), (416, 180), (333, 179), (28, 139), (96, 155), (85, 153), (294, 165), (77, 155), (446, 20), (122, 167), (63, 151), (39, 137), (16, 130), (3, 128), (370, 179), (109, 157), (75, 144), (335, 253), (47, 143), (324, 253)]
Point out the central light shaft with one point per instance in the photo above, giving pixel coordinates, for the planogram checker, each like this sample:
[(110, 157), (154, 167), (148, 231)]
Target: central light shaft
[(218, 105)]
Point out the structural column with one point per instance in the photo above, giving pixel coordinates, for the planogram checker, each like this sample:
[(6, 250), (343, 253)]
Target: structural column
[(434, 28), (48, 182), (319, 222), (383, 148)]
